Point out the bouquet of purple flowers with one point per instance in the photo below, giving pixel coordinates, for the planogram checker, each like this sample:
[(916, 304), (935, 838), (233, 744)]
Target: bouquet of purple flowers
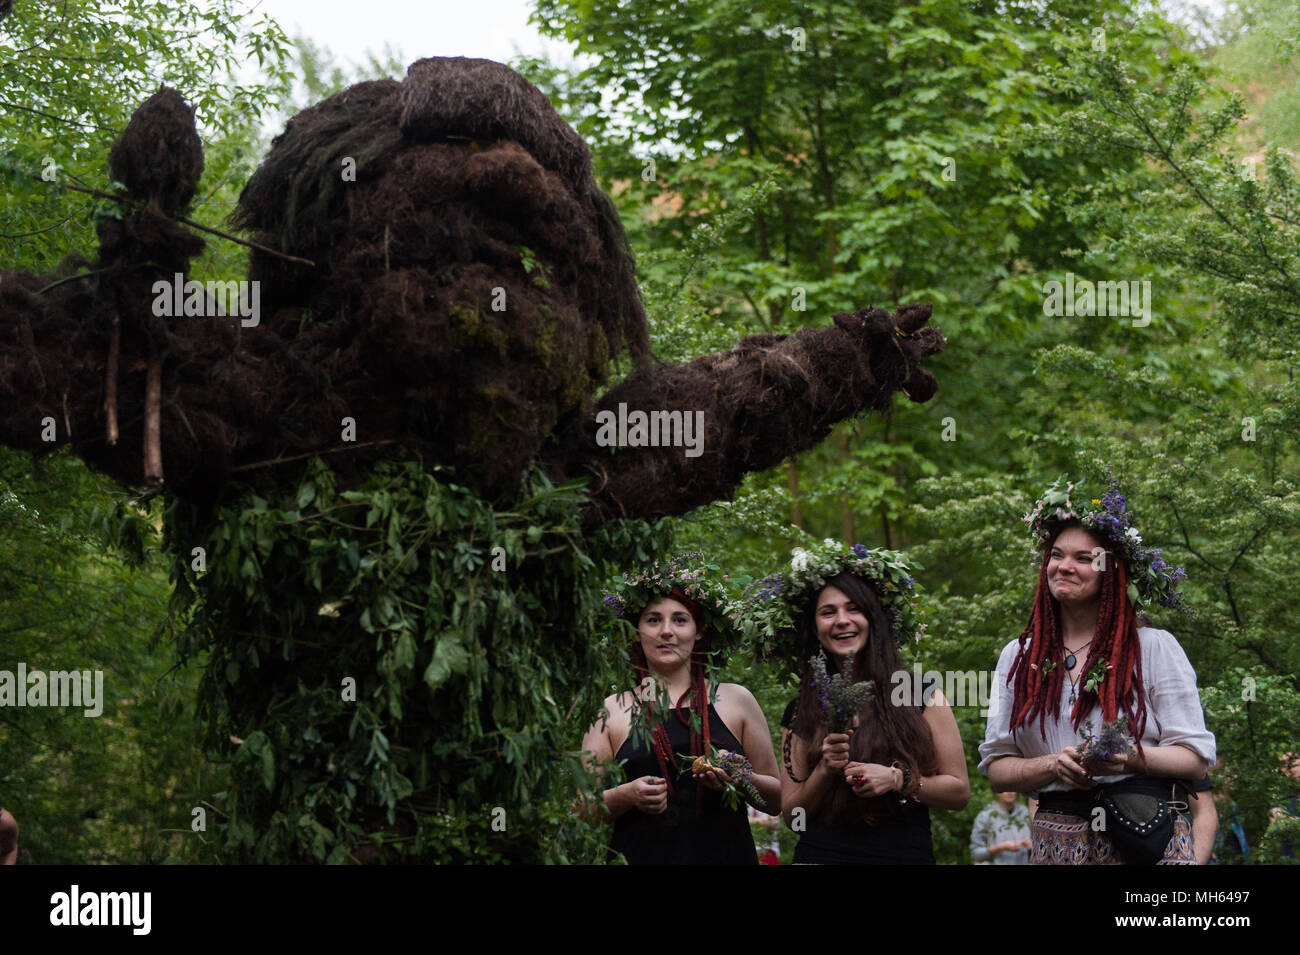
[(1112, 742), (840, 699), (739, 770)]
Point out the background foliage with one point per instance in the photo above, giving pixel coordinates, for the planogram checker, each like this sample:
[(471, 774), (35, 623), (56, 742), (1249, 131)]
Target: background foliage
[(1094, 138)]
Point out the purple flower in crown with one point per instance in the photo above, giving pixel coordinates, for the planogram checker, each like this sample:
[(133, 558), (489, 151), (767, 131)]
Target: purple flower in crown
[(1115, 504), (1109, 518), (777, 601), (615, 606)]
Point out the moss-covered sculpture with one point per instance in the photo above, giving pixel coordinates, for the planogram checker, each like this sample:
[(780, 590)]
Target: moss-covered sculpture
[(439, 267)]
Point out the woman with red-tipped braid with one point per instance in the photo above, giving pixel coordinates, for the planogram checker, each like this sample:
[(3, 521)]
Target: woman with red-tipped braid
[(1095, 712), (672, 808)]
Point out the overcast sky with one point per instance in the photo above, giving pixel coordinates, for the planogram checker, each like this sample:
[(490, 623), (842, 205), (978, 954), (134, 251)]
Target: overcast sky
[(493, 29)]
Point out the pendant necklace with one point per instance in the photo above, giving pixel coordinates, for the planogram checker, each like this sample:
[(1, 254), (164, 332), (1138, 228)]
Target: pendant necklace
[(1070, 661)]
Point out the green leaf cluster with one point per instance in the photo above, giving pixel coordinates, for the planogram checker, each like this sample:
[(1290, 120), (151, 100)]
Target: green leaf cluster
[(386, 667)]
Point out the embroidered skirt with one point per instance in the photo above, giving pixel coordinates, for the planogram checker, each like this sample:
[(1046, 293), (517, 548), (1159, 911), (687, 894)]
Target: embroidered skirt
[(1063, 839)]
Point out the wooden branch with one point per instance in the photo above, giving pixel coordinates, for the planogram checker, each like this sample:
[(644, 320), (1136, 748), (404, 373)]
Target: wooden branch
[(63, 19), (71, 278), (311, 454), (24, 235), (153, 472), (58, 119), (1249, 544), (129, 200), (110, 381), (1187, 542)]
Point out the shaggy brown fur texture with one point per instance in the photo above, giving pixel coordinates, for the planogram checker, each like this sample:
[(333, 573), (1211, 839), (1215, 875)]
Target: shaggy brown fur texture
[(486, 278), (770, 397), (159, 157), (471, 285)]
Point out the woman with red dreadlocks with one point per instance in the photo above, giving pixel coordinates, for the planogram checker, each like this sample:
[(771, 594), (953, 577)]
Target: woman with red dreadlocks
[(1116, 794), (865, 756), (687, 760)]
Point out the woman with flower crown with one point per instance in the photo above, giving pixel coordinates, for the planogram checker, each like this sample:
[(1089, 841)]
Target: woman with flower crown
[(861, 766), (690, 764), (1095, 712)]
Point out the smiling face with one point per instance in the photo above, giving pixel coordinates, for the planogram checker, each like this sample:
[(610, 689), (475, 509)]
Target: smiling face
[(842, 626), (668, 635), (1070, 574)]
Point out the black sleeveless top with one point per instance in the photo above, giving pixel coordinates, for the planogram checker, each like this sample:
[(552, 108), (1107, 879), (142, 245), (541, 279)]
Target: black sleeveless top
[(677, 836), (901, 836)]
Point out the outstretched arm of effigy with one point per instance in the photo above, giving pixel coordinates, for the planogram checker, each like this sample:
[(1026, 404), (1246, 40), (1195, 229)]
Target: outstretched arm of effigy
[(768, 398)]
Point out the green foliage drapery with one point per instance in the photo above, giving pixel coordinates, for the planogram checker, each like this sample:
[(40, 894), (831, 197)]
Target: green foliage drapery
[(472, 666)]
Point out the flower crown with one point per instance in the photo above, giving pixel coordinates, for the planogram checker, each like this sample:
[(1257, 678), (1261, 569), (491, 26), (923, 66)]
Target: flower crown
[(1151, 581), (690, 574), (769, 607)]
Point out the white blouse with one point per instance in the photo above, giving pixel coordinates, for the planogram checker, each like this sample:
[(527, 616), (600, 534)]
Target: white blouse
[(1174, 712)]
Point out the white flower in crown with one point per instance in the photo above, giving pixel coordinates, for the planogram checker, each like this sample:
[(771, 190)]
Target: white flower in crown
[(800, 559), (831, 542), (1133, 533)]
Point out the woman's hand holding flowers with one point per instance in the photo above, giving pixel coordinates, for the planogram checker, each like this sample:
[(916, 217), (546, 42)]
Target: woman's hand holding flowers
[(835, 750), (1067, 768), (708, 775)]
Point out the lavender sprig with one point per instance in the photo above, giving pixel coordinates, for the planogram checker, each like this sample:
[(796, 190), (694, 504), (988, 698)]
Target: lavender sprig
[(1112, 742), (739, 770), (840, 700)]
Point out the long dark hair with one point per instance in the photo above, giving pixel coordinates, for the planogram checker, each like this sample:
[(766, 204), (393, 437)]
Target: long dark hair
[(886, 732), (1115, 640), (696, 697)]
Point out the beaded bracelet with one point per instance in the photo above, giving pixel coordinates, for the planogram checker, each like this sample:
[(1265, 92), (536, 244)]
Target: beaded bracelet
[(907, 783)]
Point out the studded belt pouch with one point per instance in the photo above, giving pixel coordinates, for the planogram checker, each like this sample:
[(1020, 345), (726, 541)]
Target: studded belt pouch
[(1139, 819)]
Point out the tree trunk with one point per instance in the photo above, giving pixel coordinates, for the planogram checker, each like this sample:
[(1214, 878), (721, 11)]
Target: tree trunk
[(792, 485)]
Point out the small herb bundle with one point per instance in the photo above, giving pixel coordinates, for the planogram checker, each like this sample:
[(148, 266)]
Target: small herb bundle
[(1092, 682), (739, 770), (1113, 741), (840, 700)]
